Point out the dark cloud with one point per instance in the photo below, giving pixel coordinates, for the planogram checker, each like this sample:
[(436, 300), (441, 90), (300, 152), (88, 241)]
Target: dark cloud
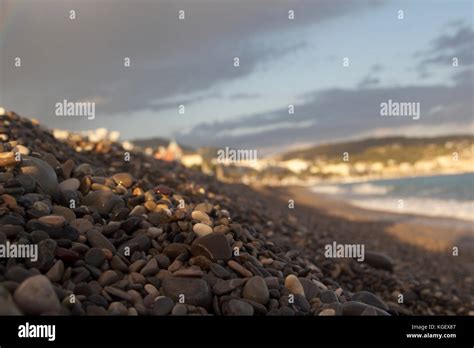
[(447, 46), (83, 58), (339, 113)]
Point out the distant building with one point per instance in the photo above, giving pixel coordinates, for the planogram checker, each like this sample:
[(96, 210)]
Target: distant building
[(171, 153), (192, 160)]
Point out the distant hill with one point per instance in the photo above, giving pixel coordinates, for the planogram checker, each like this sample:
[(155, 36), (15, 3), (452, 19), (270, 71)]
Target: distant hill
[(400, 149)]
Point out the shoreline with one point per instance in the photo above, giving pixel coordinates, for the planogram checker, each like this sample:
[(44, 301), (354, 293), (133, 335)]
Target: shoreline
[(431, 232)]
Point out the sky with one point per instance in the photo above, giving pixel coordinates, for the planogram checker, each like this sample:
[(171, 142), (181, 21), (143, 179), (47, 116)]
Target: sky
[(282, 61)]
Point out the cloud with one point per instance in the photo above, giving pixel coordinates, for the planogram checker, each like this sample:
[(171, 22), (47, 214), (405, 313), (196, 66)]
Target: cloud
[(341, 114), (73, 59), (444, 48)]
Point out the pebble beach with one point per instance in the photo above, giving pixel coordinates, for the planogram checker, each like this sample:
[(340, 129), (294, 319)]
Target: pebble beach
[(121, 233)]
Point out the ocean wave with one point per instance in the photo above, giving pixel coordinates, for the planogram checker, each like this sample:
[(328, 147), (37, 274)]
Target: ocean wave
[(421, 206), (370, 189)]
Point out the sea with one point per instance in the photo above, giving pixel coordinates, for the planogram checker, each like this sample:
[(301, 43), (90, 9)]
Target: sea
[(441, 195)]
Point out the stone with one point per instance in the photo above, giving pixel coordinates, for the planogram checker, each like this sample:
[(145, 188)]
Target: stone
[(328, 312), (7, 305), (223, 287), (237, 307), (239, 268), (120, 294), (370, 299), (69, 185), (163, 261), (56, 272), (293, 284), (357, 308), (104, 202), (108, 277), (98, 240), (219, 271), (255, 289), (163, 305), (42, 173), (95, 257), (310, 288), (179, 309), (196, 291), (81, 225), (205, 207), (173, 250), (67, 213), (202, 229), (200, 216), (189, 272), (123, 179), (36, 296), (151, 268), (57, 221), (27, 182), (46, 253), (214, 246), (378, 260), (328, 296)]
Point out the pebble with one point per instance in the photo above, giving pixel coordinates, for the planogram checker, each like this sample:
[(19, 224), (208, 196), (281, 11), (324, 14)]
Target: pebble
[(67, 213), (7, 305), (36, 295), (310, 288), (223, 287), (27, 182), (123, 179), (69, 185), (97, 239), (82, 225), (255, 289), (56, 272), (200, 216), (214, 246), (104, 202), (378, 260), (53, 220), (219, 271), (196, 291), (163, 305), (328, 296), (95, 257), (370, 299), (179, 309), (329, 312), (151, 268), (108, 277), (202, 229), (204, 207), (238, 308), (239, 269), (357, 308), (293, 284), (42, 173)]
